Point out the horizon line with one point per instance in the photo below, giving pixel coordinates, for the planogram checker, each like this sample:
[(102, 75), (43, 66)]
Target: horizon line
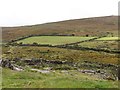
[(55, 21)]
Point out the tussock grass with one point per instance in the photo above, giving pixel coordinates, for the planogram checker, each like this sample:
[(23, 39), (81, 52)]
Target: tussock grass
[(73, 79)]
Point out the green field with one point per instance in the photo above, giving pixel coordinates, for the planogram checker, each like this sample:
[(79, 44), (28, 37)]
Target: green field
[(54, 40), (60, 40), (109, 38), (105, 44)]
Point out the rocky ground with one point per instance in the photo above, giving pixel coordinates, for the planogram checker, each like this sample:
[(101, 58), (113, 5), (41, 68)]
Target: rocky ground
[(102, 71)]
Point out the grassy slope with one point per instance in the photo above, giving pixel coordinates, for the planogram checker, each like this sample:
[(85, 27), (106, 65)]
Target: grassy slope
[(56, 79), (91, 26)]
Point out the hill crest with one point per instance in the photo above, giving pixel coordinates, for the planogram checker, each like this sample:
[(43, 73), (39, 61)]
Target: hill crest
[(79, 27)]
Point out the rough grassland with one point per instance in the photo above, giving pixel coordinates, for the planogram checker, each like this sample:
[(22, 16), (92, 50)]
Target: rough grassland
[(59, 54), (53, 40), (72, 79), (57, 79)]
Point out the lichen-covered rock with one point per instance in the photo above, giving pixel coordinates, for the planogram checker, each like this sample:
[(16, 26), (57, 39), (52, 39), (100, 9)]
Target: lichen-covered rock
[(6, 63)]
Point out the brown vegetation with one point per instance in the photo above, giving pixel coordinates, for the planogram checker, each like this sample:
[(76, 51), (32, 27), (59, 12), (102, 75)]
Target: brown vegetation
[(90, 26)]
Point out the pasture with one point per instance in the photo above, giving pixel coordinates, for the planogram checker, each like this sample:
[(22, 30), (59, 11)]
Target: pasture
[(105, 44), (53, 40), (61, 40), (108, 38)]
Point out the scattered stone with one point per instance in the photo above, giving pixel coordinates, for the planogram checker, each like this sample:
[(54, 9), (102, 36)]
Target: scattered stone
[(102, 72), (8, 52), (47, 68), (34, 69), (98, 71), (7, 63), (53, 71), (44, 71), (17, 69), (41, 71), (0, 61), (64, 71), (87, 71), (110, 78)]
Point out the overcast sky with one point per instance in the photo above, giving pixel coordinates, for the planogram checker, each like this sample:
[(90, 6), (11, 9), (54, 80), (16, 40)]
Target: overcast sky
[(28, 12)]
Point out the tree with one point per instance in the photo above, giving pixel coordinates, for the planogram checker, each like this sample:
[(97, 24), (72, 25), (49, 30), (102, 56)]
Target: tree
[(20, 43), (87, 35), (35, 44), (73, 34)]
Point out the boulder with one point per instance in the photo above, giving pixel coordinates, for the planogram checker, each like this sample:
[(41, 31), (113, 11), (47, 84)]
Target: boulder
[(41, 71), (7, 63), (17, 69), (88, 71), (64, 71), (110, 78)]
